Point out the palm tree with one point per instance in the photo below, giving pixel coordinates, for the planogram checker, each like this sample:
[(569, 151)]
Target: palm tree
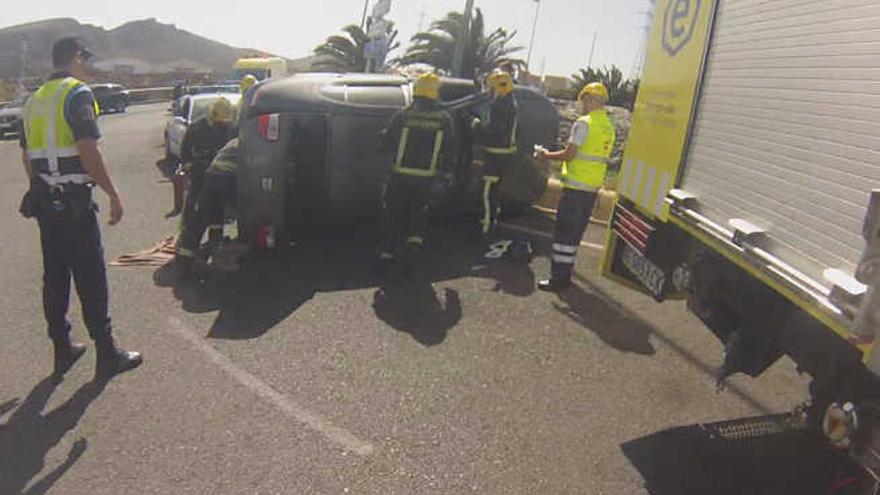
[(621, 92), (345, 53), (482, 52)]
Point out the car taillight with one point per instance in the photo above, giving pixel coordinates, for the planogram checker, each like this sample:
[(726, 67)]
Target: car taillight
[(265, 237), (269, 126)]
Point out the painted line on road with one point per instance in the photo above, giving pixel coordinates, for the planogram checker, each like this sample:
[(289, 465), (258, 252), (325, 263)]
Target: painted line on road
[(526, 230), (291, 409)]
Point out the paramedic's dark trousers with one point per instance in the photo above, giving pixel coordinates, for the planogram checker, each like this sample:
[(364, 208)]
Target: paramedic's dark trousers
[(572, 217), (71, 243), (405, 212)]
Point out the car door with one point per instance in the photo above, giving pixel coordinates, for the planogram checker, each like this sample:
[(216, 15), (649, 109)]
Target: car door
[(178, 125)]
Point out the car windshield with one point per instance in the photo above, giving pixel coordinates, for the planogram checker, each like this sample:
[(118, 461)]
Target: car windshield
[(100, 90)]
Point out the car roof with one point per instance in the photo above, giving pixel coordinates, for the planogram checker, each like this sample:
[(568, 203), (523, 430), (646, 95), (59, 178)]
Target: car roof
[(233, 97)]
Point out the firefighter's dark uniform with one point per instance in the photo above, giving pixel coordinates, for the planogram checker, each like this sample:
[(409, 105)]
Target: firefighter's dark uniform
[(200, 145), (420, 136), (497, 140), (218, 191)]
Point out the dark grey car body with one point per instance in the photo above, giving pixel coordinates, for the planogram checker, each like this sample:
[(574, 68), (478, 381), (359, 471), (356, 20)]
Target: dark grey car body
[(323, 164)]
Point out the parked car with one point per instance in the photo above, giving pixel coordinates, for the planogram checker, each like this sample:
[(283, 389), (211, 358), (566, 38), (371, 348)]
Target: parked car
[(111, 97), (189, 109), (10, 114)]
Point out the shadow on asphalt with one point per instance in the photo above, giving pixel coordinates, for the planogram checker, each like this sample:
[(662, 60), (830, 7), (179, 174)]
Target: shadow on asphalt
[(707, 459), (616, 329), (268, 289), (28, 436)]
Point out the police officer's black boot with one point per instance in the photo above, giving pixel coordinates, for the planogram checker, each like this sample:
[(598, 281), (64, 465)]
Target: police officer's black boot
[(112, 360), (67, 353)]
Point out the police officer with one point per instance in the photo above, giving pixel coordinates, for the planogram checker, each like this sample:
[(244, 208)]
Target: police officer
[(61, 156), (202, 141), (496, 138), (585, 161), (218, 192), (419, 136)]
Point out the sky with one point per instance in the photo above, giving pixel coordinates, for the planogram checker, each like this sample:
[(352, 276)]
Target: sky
[(293, 28)]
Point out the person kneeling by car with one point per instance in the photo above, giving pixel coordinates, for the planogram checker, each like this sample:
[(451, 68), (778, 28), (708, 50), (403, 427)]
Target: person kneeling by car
[(217, 192)]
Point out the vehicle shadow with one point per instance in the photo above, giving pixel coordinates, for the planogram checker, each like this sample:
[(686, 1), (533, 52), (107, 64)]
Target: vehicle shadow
[(591, 309), (754, 456), (267, 289), (28, 436)]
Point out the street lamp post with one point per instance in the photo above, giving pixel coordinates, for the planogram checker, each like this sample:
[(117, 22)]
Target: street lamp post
[(364, 16), (534, 30), (458, 58)]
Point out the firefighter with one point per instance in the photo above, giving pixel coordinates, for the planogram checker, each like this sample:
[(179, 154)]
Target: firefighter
[(496, 137), (419, 136), (202, 141), (246, 83), (218, 192), (62, 158), (585, 161)]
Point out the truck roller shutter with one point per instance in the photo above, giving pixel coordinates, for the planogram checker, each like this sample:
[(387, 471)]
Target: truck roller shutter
[(787, 133)]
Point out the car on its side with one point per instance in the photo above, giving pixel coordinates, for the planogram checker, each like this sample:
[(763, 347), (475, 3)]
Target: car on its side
[(111, 97), (10, 114), (189, 109)]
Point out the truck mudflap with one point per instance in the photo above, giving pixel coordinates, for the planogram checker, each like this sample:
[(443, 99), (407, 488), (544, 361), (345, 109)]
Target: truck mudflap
[(644, 254)]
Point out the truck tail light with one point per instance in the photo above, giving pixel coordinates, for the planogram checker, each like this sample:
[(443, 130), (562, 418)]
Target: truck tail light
[(269, 126)]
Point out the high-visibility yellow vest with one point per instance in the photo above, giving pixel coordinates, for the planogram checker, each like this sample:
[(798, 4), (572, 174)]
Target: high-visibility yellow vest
[(419, 129), (51, 146), (586, 172)]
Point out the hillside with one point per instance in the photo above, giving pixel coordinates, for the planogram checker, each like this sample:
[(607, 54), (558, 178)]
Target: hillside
[(144, 43)]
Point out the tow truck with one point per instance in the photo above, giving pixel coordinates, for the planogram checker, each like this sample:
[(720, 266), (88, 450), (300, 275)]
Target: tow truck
[(749, 188)]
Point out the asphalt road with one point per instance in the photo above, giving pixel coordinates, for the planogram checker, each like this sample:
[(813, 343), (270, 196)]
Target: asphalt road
[(299, 376)]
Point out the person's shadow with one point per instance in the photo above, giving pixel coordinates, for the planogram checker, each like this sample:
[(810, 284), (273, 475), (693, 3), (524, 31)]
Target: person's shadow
[(511, 277), (627, 334), (413, 307), (28, 436)]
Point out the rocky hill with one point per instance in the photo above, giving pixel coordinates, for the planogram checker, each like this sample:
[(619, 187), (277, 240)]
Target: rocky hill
[(146, 42)]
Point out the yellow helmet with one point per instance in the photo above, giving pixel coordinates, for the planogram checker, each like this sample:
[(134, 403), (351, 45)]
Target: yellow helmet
[(221, 112), (247, 82), (427, 86), (500, 82), (597, 90)]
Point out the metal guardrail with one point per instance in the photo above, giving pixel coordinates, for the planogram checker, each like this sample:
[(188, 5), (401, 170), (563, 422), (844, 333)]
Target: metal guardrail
[(142, 95)]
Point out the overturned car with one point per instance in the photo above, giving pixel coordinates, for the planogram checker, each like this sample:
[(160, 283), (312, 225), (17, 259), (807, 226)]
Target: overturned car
[(309, 151)]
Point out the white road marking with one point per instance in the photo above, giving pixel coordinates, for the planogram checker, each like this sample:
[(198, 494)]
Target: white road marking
[(526, 230), (291, 409)]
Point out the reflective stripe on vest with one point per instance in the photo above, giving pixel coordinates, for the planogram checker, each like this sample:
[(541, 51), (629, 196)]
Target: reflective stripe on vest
[(428, 119), (586, 172), (48, 134), (512, 140)]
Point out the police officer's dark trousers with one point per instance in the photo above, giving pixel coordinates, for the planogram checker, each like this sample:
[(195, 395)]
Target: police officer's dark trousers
[(572, 218), (71, 243), (405, 212), (217, 191)]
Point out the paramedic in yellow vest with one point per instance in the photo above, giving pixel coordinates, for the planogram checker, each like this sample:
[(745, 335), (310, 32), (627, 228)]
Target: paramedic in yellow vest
[(585, 161), (419, 137), (62, 158), (496, 137)]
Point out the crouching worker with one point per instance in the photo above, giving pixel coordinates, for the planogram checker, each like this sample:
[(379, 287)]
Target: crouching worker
[(218, 192), (420, 135)]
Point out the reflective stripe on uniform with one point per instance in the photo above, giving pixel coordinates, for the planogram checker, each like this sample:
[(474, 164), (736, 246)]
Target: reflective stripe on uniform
[(488, 182), (559, 258), (580, 186), (415, 240), (592, 158), (63, 152), (418, 172), (505, 150), (562, 248), (57, 180)]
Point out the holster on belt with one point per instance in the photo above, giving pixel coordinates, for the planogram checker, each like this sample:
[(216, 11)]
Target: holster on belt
[(73, 200)]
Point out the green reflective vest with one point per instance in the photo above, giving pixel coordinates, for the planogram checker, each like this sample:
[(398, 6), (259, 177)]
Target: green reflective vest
[(421, 141), (50, 143), (586, 172)]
